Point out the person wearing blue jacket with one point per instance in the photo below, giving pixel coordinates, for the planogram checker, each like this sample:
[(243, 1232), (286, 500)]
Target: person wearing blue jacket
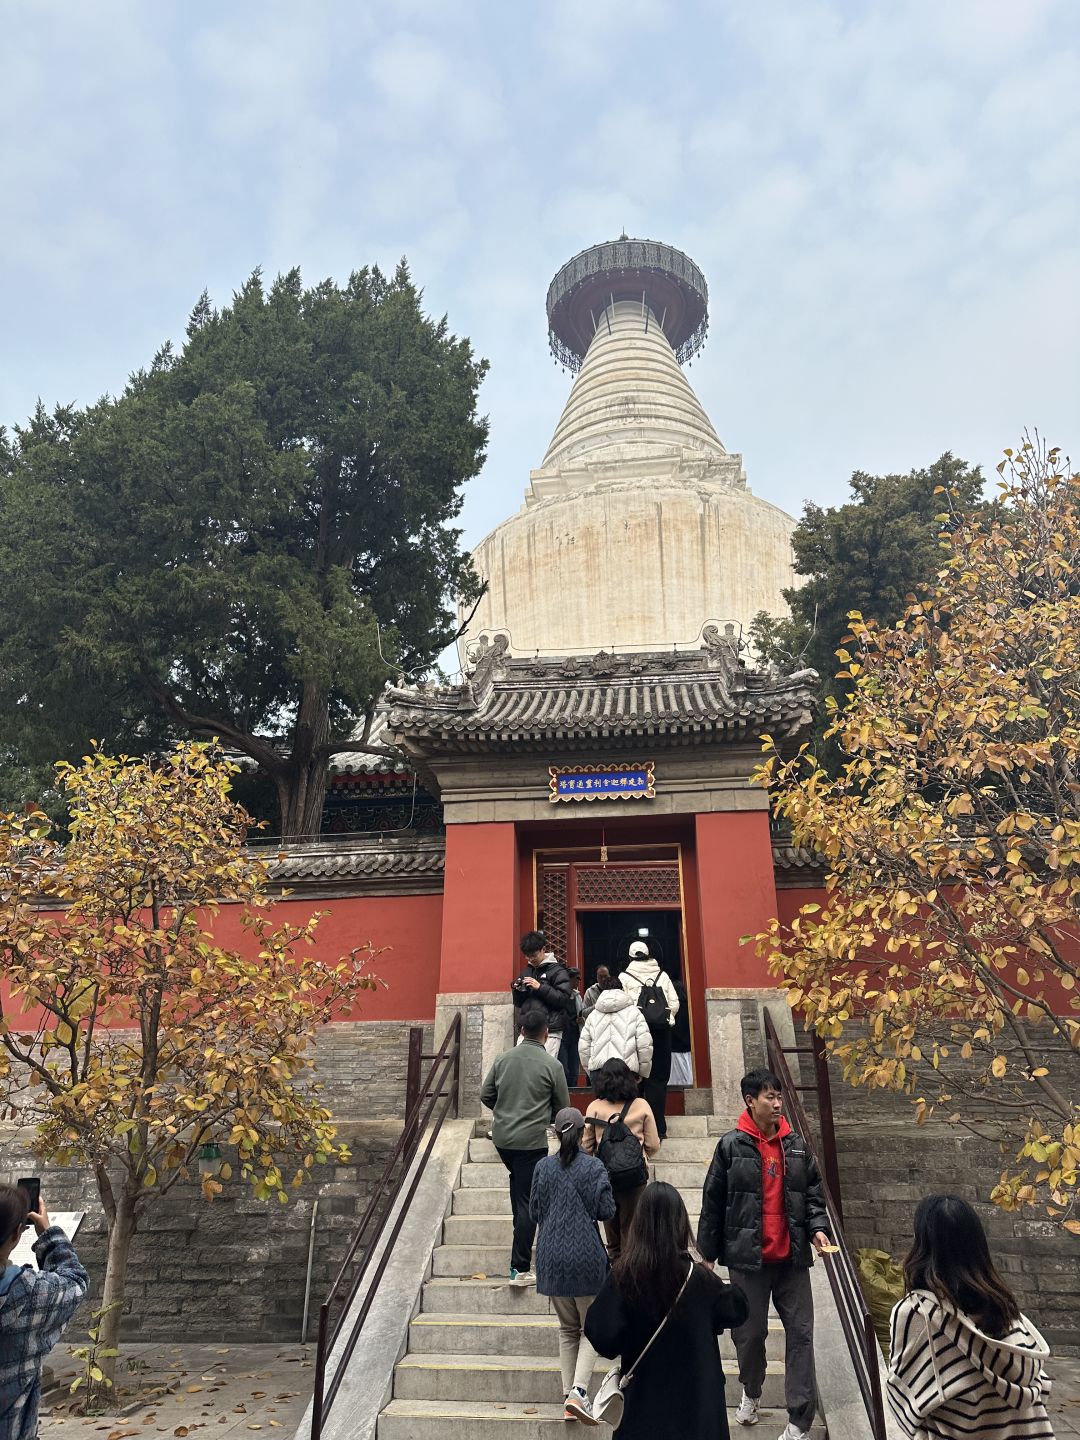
[(571, 1192), (35, 1305)]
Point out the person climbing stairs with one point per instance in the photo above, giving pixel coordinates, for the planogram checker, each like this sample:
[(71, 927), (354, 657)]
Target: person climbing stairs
[(482, 1361)]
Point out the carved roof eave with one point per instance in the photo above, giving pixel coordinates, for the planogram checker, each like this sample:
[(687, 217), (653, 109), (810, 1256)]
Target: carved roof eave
[(429, 743), (675, 697)]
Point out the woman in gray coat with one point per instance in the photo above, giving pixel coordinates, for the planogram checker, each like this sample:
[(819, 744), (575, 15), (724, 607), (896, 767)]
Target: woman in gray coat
[(571, 1192)]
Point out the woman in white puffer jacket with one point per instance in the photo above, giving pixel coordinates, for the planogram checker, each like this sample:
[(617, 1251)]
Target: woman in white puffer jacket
[(615, 1030)]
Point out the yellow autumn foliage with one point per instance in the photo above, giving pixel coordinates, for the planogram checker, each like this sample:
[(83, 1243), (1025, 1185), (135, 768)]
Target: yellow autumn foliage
[(129, 1037), (951, 836)]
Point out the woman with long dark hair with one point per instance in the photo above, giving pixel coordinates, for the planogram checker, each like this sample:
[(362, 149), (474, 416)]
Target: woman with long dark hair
[(617, 1105), (570, 1193), (963, 1360), (678, 1387)]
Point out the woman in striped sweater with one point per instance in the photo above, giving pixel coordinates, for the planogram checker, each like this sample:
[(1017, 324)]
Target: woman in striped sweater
[(964, 1362)]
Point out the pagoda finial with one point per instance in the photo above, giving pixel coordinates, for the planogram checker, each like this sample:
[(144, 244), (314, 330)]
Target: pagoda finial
[(656, 277)]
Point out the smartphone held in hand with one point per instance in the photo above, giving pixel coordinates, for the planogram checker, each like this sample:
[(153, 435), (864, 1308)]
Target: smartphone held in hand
[(31, 1185)]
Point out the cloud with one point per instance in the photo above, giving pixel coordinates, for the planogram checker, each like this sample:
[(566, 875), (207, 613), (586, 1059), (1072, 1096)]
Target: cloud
[(881, 194)]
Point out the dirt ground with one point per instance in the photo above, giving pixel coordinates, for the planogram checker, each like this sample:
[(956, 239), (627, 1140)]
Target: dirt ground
[(181, 1390)]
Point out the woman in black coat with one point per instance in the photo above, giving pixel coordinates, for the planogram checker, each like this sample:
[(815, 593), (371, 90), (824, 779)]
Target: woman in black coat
[(678, 1389)]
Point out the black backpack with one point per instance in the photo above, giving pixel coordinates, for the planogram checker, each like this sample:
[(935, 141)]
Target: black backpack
[(621, 1152), (652, 1002)]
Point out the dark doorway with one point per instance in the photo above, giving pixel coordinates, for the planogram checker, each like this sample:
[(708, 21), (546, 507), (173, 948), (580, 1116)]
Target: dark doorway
[(606, 937)]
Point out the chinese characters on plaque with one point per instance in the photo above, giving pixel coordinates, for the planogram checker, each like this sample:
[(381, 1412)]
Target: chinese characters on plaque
[(601, 782)]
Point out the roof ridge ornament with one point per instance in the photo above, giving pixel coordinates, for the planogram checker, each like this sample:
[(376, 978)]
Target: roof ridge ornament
[(487, 656)]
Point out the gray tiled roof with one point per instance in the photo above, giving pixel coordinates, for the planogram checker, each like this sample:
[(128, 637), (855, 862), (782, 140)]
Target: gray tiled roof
[(689, 693), (795, 864), (359, 762), (404, 862)]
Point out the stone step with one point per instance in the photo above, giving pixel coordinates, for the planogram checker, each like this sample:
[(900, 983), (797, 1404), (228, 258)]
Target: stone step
[(456, 1295), (492, 1336), (491, 1200), (487, 1229), (696, 1149), (526, 1379), (487, 1261), (494, 1200), (433, 1419), (449, 1296), (689, 1178), (679, 1127)]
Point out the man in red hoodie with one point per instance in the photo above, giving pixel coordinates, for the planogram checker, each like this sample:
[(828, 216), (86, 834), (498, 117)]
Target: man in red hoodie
[(763, 1215)]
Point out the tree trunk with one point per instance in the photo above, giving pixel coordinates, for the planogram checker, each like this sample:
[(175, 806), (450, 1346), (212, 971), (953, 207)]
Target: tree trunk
[(302, 788), (301, 792), (121, 1231)]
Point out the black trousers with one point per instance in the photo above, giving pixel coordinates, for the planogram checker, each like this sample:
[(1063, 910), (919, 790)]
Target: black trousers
[(626, 1203), (521, 1164), (654, 1089)]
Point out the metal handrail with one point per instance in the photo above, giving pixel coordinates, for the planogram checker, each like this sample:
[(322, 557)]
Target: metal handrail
[(421, 1103), (855, 1318)]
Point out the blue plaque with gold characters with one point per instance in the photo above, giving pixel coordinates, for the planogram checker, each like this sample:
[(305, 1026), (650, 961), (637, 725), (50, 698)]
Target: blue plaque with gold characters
[(601, 782)]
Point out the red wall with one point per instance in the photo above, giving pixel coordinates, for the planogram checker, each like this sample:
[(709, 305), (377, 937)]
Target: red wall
[(409, 926), (738, 894), (480, 920), (789, 902)]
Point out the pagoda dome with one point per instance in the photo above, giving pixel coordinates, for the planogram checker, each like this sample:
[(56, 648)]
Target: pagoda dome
[(638, 528)]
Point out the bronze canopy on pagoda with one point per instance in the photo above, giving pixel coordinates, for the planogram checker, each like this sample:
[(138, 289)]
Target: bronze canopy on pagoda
[(660, 278)]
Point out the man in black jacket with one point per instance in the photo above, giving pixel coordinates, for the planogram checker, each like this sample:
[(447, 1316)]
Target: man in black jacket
[(763, 1215), (547, 983)]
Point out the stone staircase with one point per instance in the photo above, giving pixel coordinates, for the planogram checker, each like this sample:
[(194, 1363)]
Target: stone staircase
[(483, 1359)]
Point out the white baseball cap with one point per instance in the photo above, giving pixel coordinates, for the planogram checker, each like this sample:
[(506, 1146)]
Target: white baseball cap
[(637, 949)]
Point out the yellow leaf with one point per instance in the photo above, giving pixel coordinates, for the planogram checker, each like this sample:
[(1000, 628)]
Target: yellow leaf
[(999, 1066)]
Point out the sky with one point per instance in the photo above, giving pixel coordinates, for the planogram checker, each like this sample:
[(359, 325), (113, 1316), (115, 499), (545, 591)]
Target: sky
[(884, 199)]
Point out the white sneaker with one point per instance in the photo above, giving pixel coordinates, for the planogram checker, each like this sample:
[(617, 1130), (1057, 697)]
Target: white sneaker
[(576, 1407), (792, 1432), (522, 1279), (747, 1413)]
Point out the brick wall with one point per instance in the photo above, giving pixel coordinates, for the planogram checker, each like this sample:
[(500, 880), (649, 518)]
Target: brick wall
[(887, 1165), (361, 1066), (234, 1270)]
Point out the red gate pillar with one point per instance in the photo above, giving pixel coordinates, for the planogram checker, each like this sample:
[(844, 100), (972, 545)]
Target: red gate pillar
[(738, 894), (479, 956), (738, 897)]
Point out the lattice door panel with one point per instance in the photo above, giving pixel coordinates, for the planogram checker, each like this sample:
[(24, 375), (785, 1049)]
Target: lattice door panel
[(634, 887), (553, 901)]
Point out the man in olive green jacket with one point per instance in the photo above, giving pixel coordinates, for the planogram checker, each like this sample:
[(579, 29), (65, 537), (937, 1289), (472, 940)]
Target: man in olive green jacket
[(525, 1089)]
